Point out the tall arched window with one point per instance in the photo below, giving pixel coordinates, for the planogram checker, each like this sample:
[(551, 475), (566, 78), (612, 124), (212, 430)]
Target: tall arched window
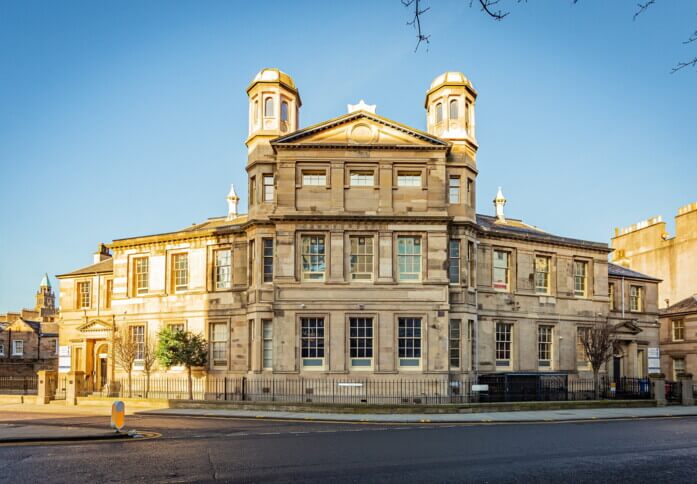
[(453, 109), (268, 106), (439, 113), (284, 111)]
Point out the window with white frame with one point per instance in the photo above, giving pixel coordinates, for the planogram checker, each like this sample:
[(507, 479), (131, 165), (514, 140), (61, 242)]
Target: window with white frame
[(361, 342), (312, 342), (218, 337), (268, 188), (409, 179), (17, 347), (176, 326), (544, 345), (180, 271), (268, 259), (504, 342), (84, 294), (636, 298), (141, 269), (409, 342), (454, 261), (454, 189), (501, 272), (362, 178), (361, 258), (314, 178), (223, 269), (580, 278), (678, 329), (678, 368), (582, 360), (267, 343), (409, 258), (611, 295), (313, 257), (137, 335), (2, 349), (454, 335), (542, 264)]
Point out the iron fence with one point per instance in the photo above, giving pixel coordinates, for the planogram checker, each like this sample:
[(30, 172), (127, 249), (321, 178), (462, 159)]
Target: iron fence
[(18, 385), (674, 392)]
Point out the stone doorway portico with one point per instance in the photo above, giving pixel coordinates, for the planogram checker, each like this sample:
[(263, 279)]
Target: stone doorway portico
[(96, 344)]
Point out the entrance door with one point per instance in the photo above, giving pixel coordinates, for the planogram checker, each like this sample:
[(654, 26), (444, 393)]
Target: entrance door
[(617, 368), (102, 373)]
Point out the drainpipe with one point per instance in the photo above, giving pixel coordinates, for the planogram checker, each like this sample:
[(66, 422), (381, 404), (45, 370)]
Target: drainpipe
[(475, 330), (622, 297)]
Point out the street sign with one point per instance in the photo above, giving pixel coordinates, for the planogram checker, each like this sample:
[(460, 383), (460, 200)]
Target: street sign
[(63, 359), (654, 353), (118, 415), (480, 388), (349, 384)]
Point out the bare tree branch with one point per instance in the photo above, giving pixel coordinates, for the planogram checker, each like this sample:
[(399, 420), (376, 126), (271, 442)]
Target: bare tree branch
[(642, 8), (692, 38), (416, 22), (682, 65), (489, 7)]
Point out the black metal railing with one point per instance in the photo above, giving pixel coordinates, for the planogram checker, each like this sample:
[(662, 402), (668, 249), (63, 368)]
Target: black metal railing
[(674, 392), (18, 385)]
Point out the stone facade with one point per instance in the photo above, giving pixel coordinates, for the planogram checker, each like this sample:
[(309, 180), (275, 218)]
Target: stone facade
[(679, 338), (361, 256)]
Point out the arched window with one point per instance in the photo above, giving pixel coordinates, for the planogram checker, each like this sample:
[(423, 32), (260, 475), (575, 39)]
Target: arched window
[(284, 111), (268, 106), (453, 109), (256, 112), (439, 113)]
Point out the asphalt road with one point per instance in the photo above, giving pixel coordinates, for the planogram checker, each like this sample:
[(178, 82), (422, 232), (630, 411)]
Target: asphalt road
[(230, 450)]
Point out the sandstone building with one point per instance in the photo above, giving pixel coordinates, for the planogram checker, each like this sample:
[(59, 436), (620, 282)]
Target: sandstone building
[(361, 255)]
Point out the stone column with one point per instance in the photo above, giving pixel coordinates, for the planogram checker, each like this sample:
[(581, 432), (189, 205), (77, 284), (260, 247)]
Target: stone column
[(46, 386), (74, 385), (687, 395), (659, 391), (632, 359)]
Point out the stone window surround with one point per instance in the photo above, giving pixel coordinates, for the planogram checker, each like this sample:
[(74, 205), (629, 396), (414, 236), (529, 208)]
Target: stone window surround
[(424, 340), (589, 276), (512, 266), (512, 350), (78, 293), (327, 338), (209, 336), (395, 256), (299, 234), (398, 168), (169, 270), (462, 243), (210, 256), (15, 346), (376, 340), (553, 344), (641, 295), (128, 328), (350, 167), (303, 166), (374, 235), (551, 274)]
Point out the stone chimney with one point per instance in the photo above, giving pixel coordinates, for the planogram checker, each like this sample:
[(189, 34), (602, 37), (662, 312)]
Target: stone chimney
[(232, 201), (101, 254), (499, 203)]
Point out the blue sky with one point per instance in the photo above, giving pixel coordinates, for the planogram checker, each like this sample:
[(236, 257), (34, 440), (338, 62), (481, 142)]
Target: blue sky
[(126, 118)]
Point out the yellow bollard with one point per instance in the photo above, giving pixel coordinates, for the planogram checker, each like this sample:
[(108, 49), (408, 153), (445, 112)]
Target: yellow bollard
[(118, 415)]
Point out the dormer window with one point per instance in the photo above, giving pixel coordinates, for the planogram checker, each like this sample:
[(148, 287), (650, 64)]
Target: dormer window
[(268, 106), (439, 112), (453, 109)]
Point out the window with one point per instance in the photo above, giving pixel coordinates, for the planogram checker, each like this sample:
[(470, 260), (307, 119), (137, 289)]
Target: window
[(409, 258), (453, 109), (218, 336), (222, 269), (580, 278), (636, 298), (268, 259), (409, 179), (84, 299), (501, 271), (361, 342), (180, 265), (361, 258), (252, 190), (17, 347), (454, 189), (678, 330), (611, 295), (2, 349), (544, 345), (454, 261), (268, 106), (108, 291), (284, 111), (503, 344), (472, 260), (409, 342), (53, 346), (542, 274), (256, 112), (470, 192), (313, 257), (176, 326), (141, 267), (472, 344), (678, 368), (468, 109), (251, 259), (439, 113), (312, 342), (267, 343), (315, 178), (268, 188), (362, 179), (137, 334), (454, 343), (582, 360)]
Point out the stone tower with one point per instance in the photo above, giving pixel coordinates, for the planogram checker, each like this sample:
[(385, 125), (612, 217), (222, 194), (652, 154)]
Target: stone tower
[(46, 301)]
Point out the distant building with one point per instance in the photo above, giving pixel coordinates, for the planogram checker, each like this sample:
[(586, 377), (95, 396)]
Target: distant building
[(29, 338), (679, 338)]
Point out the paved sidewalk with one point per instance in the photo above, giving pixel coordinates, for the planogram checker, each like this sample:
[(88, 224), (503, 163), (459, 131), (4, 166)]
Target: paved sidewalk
[(492, 417), (18, 433)]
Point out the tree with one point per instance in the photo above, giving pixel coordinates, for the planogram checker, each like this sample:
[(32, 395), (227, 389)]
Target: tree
[(126, 352), (176, 347), (598, 343), (149, 360), (492, 9)]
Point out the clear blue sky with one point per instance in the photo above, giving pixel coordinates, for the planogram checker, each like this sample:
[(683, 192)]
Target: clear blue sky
[(124, 118)]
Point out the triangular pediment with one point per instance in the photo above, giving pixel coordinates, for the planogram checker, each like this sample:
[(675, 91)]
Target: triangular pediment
[(362, 129), (95, 326), (628, 327)]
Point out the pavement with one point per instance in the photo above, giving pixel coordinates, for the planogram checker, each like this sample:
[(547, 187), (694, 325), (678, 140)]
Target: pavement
[(565, 415), (20, 433)]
